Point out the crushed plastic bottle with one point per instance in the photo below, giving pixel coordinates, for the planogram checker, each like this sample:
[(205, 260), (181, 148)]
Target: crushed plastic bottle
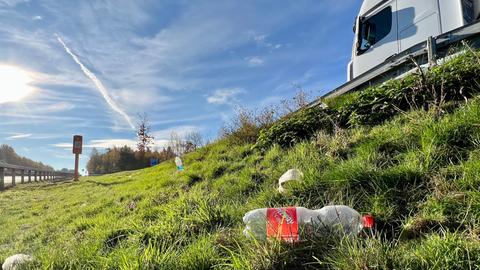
[(290, 175), (293, 224), (179, 163)]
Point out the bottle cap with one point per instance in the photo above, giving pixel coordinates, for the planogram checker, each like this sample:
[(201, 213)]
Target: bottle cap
[(368, 221)]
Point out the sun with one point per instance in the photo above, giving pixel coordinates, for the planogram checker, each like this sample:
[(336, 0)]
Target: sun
[(14, 83)]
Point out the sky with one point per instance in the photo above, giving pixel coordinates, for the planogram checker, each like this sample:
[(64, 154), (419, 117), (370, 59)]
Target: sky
[(91, 67)]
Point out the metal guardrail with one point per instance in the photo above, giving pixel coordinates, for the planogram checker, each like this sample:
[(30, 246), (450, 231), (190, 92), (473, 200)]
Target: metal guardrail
[(398, 64), (27, 174)]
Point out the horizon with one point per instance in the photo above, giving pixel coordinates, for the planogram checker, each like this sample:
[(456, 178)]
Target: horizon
[(90, 68)]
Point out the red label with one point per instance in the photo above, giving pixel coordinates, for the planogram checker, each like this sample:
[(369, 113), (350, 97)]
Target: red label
[(368, 221), (282, 223)]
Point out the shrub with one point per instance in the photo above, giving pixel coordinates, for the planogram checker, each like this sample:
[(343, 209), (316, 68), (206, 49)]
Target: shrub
[(374, 105), (296, 127)]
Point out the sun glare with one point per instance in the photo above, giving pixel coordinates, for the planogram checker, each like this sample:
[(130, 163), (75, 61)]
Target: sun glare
[(14, 84)]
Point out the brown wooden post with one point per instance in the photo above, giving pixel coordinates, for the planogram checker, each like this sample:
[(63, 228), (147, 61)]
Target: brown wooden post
[(35, 176), (22, 177), (13, 177), (2, 178), (29, 176)]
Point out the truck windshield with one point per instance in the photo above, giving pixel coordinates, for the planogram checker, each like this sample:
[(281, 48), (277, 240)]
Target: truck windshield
[(374, 29)]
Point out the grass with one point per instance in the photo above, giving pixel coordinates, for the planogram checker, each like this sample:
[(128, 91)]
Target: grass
[(418, 173)]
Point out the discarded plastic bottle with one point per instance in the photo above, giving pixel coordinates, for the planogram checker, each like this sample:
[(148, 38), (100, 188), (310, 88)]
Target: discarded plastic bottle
[(290, 175), (293, 224), (179, 164)]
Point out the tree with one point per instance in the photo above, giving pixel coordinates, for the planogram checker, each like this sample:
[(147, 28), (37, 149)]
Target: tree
[(94, 164), (127, 159), (143, 134), (193, 140), (176, 144), (8, 155)]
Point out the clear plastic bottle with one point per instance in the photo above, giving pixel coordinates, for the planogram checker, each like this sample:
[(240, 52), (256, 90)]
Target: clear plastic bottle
[(179, 163), (294, 224)]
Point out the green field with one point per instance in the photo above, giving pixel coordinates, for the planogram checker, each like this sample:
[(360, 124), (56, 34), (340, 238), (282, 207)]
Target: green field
[(418, 173)]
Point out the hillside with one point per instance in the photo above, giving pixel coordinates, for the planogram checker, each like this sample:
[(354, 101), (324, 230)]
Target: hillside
[(407, 152), (8, 155)]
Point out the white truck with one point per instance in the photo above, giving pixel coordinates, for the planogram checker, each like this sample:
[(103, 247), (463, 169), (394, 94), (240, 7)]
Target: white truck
[(385, 28)]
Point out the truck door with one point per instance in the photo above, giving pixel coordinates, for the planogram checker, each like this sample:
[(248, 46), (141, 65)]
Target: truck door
[(376, 37), (417, 20)]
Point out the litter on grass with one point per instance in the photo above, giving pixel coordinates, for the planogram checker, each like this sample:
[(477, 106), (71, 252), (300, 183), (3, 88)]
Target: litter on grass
[(290, 175), (179, 163), (294, 224), (16, 261)]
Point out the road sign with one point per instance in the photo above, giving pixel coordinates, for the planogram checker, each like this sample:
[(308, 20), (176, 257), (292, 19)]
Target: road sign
[(77, 150), (77, 144), (153, 162)]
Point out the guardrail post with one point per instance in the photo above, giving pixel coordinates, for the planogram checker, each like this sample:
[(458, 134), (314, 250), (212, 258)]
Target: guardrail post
[(22, 176), (13, 177), (2, 178)]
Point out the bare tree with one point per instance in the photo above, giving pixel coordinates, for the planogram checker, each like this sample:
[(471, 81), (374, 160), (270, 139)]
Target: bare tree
[(300, 100), (195, 138), (145, 140), (176, 144)]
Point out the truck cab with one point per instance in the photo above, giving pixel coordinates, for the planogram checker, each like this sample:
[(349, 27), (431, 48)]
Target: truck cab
[(384, 28)]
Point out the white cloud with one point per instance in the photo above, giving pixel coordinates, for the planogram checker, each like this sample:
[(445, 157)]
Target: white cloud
[(262, 41), (162, 138), (55, 107), (104, 143), (18, 136), (225, 96), (141, 98), (254, 61), (180, 130), (98, 84), (37, 18), (12, 3)]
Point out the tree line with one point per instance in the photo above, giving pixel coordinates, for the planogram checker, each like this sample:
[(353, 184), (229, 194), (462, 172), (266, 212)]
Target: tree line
[(8, 155), (117, 159)]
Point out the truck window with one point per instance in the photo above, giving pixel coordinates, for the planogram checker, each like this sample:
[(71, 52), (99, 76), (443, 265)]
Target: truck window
[(468, 11), (374, 29)]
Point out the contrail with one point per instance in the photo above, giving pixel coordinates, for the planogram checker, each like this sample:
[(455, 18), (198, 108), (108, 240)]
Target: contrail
[(98, 84)]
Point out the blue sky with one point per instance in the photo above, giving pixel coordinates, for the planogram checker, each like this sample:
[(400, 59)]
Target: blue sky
[(186, 64)]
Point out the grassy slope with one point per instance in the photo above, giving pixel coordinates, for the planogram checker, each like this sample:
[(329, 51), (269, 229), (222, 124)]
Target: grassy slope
[(417, 174)]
